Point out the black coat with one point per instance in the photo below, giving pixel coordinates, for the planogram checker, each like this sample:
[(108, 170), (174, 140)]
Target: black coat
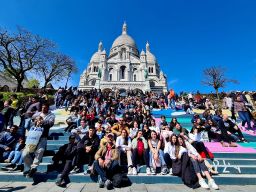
[(188, 174), (66, 152), (94, 142)]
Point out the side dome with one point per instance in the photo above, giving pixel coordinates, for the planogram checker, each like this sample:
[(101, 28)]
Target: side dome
[(95, 57), (150, 57)]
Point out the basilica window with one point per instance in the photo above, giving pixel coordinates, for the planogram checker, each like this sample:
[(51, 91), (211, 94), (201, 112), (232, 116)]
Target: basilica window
[(110, 74), (122, 72), (93, 82), (134, 77), (151, 70)]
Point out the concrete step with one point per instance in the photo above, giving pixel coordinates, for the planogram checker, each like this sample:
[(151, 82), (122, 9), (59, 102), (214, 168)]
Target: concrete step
[(222, 169), (53, 147), (229, 179), (56, 137), (57, 142), (217, 161), (236, 155)]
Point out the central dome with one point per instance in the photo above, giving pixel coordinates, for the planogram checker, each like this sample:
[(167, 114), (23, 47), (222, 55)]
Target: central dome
[(124, 39)]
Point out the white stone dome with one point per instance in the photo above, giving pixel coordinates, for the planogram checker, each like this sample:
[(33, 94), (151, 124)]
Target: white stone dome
[(95, 57), (124, 39), (150, 57)]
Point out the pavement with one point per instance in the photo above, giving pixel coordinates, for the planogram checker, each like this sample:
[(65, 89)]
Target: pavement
[(93, 187)]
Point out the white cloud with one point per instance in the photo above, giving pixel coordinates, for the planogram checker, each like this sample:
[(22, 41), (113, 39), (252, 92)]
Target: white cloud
[(172, 81)]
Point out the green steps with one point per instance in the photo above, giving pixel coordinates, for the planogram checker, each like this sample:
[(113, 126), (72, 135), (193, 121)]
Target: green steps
[(234, 168), (141, 178), (250, 144)]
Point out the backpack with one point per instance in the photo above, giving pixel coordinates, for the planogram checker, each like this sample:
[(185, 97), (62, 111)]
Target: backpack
[(121, 180), (176, 167), (140, 147)]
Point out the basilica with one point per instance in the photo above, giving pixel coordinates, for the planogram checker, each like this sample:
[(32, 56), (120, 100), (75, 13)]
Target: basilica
[(124, 68)]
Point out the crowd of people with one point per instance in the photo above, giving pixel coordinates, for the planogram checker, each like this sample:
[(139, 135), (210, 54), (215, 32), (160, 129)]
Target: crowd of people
[(116, 134)]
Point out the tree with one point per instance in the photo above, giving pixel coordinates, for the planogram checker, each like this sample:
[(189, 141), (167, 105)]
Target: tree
[(21, 52), (56, 67), (33, 83), (215, 77)]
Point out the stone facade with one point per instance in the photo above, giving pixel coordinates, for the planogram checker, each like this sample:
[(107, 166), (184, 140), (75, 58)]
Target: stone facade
[(10, 83), (124, 68)]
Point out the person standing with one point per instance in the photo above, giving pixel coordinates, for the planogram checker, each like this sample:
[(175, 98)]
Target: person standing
[(244, 115), (31, 164)]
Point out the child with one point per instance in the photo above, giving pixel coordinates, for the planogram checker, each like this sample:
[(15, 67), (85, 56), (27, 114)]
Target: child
[(15, 157)]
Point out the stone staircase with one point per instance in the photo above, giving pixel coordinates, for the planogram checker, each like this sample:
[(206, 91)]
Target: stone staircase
[(234, 168)]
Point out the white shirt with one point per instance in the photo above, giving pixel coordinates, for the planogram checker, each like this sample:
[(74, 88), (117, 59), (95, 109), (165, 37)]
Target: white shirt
[(195, 137), (120, 143), (155, 128), (191, 149)]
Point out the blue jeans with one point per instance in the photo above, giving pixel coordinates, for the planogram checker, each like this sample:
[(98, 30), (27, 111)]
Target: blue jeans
[(16, 155), (161, 157), (106, 173), (245, 117)]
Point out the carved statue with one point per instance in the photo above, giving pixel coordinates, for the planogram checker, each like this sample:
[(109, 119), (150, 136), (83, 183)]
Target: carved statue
[(146, 73)]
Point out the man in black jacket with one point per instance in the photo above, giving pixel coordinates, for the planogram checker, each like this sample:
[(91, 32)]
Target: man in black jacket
[(66, 155), (229, 130), (86, 150)]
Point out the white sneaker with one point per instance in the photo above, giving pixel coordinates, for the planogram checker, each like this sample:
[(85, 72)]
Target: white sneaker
[(153, 171), (148, 171), (203, 184), (170, 171), (212, 184), (130, 171), (138, 168), (134, 171), (164, 171)]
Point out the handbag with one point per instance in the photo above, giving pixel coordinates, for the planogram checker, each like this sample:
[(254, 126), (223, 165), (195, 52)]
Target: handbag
[(33, 138)]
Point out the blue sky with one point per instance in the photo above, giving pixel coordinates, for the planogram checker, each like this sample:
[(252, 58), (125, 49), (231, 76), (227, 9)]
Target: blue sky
[(186, 36)]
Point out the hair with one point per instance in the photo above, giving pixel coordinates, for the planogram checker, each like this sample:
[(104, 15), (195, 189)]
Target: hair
[(170, 139), (14, 96), (46, 104), (183, 145), (177, 147), (126, 138), (91, 127), (173, 119), (15, 127), (138, 132), (153, 131)]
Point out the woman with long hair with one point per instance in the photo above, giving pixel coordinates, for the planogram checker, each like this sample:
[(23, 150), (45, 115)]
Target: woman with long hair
[(156, 155), (140, 152), (198, 164), (170, 150), (124, 145)]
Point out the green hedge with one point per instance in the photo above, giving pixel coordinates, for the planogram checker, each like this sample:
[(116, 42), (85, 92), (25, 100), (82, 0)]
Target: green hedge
[(23, 97)]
